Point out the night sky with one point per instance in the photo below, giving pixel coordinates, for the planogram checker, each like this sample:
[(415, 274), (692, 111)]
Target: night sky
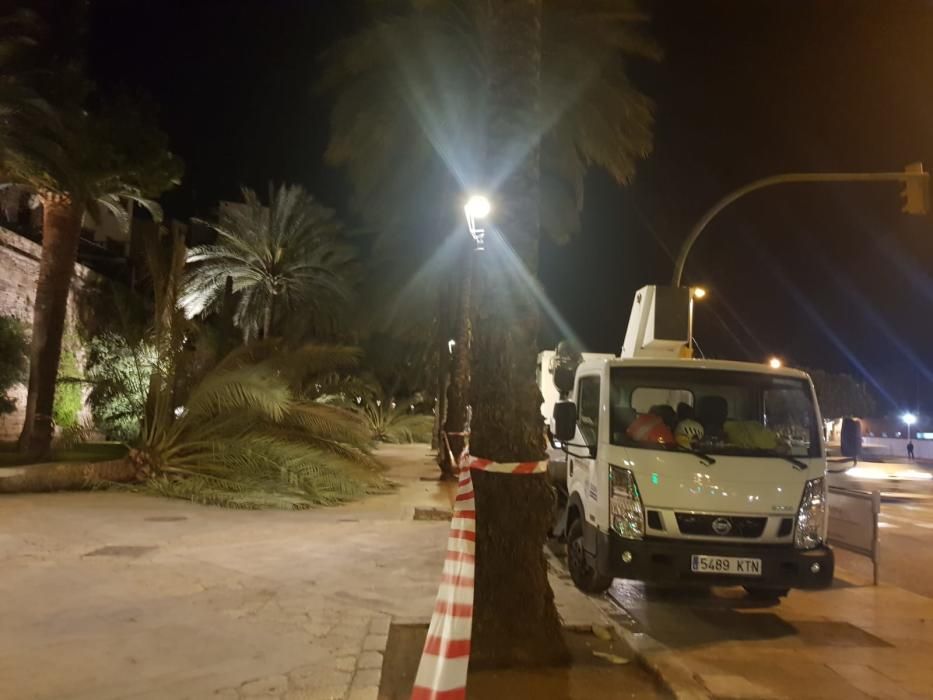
[(830, 276)]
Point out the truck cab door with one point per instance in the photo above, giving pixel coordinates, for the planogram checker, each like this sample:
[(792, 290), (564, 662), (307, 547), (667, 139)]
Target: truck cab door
[(582, 464)]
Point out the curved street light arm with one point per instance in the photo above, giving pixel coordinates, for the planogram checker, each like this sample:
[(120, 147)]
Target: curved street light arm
[(777, 180)]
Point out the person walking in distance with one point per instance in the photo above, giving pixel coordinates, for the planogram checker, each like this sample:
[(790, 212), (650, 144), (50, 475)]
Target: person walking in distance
[(910, 449)]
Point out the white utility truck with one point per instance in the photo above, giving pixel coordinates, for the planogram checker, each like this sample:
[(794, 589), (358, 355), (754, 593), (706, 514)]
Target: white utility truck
[(681, 471)]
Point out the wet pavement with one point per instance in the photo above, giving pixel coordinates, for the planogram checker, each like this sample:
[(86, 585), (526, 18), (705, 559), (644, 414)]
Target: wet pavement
[(851, 641)]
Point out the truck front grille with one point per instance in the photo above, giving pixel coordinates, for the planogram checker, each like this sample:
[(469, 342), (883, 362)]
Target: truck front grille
[(720, 525)]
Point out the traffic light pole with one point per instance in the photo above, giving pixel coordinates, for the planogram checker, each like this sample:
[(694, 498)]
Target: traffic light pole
[(913, 174)]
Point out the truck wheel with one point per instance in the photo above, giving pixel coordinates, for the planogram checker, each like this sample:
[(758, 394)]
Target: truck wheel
[(758, 593), (584, 576)]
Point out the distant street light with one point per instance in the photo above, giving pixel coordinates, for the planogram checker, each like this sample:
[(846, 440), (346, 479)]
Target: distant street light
[(909, 419), (476, 209), (696, 294), (775, 363)]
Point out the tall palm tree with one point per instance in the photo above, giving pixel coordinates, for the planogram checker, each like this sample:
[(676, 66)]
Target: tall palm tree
[(100, 161), (284, 257), (518, 98), (79, 163)]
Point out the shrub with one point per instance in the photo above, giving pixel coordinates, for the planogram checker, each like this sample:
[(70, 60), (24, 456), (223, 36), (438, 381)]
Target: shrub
[(388, 421), (14, 359), (118, 372), (68, 398)]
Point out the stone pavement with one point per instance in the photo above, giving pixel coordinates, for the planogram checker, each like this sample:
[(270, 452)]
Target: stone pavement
[(853, 641), (116, 595)]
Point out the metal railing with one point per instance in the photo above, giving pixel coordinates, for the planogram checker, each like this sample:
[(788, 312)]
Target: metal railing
[(853, 523)]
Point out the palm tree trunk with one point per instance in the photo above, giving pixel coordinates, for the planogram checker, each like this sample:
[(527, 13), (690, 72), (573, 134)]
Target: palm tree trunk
[(61, 232), (515, 620), (39, 478), (458, 390), (267, 318)]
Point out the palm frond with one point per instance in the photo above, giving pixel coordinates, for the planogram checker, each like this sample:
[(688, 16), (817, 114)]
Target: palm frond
[(284, 256)]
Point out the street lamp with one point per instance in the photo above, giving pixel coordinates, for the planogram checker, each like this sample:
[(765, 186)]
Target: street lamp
[(453, 430), (909, 419), (476, 209), (775, 363), (696, 294)]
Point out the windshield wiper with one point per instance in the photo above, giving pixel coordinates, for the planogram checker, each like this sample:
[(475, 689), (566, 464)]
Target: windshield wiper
[(798, 464), (705, 458)]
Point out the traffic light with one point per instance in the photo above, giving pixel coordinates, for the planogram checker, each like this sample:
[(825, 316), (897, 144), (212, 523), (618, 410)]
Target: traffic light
[(916, 192)]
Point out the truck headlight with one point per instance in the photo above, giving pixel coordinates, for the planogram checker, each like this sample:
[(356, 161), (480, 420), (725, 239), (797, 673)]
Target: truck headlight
[(627, 515), (811, 517)]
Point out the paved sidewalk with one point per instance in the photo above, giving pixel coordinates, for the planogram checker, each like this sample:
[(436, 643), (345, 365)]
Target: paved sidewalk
[(854, 641), (120, 596), (114, 595)]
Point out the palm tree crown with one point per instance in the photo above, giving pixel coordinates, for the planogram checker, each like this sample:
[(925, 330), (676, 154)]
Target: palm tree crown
[(287, 256), (411, 104)]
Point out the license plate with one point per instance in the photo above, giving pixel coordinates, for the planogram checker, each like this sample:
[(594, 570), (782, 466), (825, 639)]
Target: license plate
[(737, 566)]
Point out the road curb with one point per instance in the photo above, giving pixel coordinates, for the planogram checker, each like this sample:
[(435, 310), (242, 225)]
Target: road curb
[(674, 675)]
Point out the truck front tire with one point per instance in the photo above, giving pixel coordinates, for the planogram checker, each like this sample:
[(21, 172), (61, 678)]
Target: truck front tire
[(584, 576)]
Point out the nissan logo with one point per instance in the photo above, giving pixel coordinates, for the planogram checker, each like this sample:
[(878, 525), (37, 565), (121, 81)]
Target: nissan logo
[(722, 526)]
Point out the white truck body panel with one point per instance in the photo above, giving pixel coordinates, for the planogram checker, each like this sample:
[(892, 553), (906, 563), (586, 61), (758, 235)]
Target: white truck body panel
[(678, 482)]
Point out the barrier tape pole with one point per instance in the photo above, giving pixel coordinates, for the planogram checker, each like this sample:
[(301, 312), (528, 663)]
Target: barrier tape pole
[(442, 672)]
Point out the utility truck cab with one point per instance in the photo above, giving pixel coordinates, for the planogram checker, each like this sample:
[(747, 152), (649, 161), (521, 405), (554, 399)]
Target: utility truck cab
[(684, 471)]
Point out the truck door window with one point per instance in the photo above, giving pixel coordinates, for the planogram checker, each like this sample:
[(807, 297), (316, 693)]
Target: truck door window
[(588, 409)]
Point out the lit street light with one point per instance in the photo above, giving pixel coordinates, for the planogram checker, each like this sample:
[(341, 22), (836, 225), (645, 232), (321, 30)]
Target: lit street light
[(909, 419), (476, 209), (696, 294), (775, 363)]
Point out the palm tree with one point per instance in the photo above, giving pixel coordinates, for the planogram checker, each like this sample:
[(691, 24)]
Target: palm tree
[(284, 257), (393, 421), (78, 161), (518, 98), (102, 160), (25, 117)]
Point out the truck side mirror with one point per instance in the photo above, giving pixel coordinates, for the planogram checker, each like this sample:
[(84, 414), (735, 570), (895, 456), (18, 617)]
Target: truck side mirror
[(563, 379), (565, 420), (851, 438)]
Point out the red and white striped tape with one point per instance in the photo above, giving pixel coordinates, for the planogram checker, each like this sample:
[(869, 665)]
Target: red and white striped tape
[(442, 672)]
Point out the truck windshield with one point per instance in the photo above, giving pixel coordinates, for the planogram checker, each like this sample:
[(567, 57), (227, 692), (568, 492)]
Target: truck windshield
[(713, 411)]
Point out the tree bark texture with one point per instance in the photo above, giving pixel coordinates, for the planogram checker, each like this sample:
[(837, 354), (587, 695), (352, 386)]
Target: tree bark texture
[(458, 390), (61, 232), (38, 478), (515, 619)]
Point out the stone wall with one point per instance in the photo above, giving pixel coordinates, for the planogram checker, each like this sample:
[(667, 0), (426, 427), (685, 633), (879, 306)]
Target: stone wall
[(19, 270)]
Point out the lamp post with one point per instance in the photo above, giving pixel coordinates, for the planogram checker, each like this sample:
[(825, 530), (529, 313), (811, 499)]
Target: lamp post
[(476, 209), (916, 195), (696, 294)]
